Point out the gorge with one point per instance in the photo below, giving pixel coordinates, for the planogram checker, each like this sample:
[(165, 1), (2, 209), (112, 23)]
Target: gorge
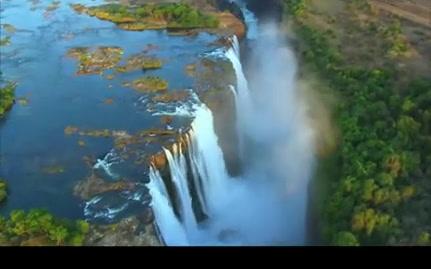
[(266, 204)]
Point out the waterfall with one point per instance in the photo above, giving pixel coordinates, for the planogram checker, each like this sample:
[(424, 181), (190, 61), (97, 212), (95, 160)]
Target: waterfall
[(250, 20), (242, 94), (197, 170), (178, 170), (210, 177), (172, 230), (266, 205)]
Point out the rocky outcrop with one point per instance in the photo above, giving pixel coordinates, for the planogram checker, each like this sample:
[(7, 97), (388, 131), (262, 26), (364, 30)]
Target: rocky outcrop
[(131, 231), (93, 185), (229, 25), (95, 60), (149, 84)]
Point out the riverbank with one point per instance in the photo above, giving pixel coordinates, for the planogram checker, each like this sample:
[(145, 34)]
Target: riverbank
[(374, 63)]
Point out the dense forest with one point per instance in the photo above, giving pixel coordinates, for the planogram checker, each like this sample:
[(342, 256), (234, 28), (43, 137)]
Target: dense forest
[(379, 189)]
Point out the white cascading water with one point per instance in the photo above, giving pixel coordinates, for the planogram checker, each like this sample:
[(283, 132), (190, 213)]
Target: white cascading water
[(207, 164), (172, 230), (178, 170), (266, 205), (249, 18), (108, 160), (242, 94)]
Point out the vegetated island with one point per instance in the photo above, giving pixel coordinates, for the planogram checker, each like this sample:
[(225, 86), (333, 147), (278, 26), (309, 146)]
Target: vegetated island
[(170, 16)]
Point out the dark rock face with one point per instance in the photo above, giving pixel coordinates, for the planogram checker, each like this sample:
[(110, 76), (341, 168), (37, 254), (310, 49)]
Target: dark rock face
[(212, 83), (146, 217), (223, 106), (226, 5), (268, 9)]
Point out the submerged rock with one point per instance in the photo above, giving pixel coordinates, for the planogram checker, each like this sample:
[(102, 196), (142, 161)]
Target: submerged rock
[(5, 41), (81, 143), (108, 101), (149, 48), (69, 130), (53, 6), (53, 169), (110, 77), (23, 101), (191, 70), (8, 28), (93, 185), (140, 62), (174, 96), (96, 133)]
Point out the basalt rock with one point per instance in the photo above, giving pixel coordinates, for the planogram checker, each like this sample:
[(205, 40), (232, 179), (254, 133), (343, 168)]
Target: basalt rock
[(128, 232), (159, 160), (93, 185), (173, 96), (149, 84), (95, 60), (140, 62), (146, 217), (53, 169)]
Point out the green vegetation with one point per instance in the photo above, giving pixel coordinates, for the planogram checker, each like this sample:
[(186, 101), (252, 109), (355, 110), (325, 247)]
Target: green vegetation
[(150, 84), (7, 94), (152, 16), (95, 60), (53, 6), (39, 228), (5, 41), (382, 193), (140, 62), (8, 28), (3, 191), (151, 63), (53, 169)]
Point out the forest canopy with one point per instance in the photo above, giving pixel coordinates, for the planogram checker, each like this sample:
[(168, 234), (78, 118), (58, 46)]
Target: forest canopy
[(381, 195)]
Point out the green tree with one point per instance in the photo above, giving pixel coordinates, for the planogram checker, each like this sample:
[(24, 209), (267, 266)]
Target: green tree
[(346, 239)]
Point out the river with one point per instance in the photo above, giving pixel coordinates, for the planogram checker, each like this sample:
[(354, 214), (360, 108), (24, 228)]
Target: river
[(46, 149)]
